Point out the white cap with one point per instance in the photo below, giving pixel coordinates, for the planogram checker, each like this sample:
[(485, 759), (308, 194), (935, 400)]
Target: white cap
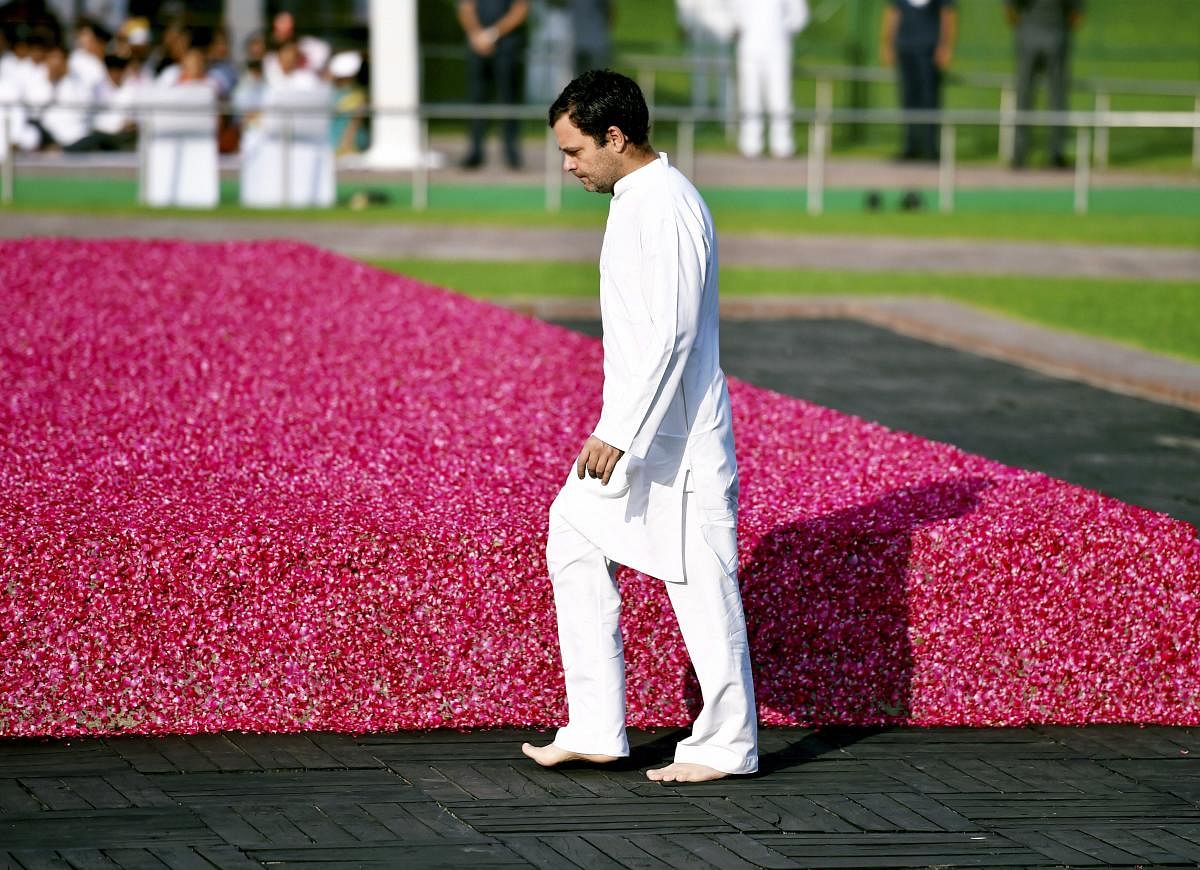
[(345, 64)]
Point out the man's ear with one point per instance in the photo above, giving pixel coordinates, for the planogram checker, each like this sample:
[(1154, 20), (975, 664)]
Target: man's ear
[(616, 138)]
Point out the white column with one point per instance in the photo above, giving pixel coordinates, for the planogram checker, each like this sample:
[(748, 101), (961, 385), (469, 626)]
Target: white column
[(395, 85)]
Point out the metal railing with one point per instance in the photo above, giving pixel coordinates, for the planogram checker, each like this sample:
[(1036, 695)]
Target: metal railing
[(647, 66), (819, 119)]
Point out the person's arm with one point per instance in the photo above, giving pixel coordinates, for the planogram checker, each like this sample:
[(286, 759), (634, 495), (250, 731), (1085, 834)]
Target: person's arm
[(887, 36), (513, 18), (948, 36), (671, 279), (483, 39)]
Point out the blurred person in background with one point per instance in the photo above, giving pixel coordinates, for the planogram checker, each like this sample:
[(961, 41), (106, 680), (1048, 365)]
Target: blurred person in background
[(247, 99), (291, 72), (65, 103), (87, 58), (765, 30), (494, 30), (1042, 32), (18, 131), (349, 128), (114, 127), (311, 53), (173, 45), (591, 29), (918, 37), (708, 28), (550, 52), (132, 41), (220, 67)]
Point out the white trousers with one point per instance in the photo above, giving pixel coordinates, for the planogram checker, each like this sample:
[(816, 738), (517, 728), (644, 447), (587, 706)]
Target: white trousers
[(765, 87), (708, 607)]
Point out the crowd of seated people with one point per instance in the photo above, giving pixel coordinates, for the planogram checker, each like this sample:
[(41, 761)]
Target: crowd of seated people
[(87, 96)]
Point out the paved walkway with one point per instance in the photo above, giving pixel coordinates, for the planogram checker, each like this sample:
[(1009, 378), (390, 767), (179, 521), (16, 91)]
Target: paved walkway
[(1038, 797), (467, 242)]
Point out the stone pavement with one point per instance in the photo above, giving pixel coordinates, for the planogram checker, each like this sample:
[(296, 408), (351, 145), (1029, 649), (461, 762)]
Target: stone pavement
[(947, 797)]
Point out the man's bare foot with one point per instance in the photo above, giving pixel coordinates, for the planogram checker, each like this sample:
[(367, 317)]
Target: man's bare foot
[(551, 755), (684, 771)]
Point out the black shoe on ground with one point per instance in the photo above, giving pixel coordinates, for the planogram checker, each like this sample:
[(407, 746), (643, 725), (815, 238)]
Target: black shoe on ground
[(471, 161)]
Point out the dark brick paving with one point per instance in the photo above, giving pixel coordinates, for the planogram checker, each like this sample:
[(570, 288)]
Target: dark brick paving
[(836, 798)]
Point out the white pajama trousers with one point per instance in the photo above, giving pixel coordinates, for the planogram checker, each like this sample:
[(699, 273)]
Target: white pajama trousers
[(765, 88), (708, 607)]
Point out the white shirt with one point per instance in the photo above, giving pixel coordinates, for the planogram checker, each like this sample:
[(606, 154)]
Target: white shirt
[(68, 117), (665, 401), (117, 106), (88, 68), (767, 21)]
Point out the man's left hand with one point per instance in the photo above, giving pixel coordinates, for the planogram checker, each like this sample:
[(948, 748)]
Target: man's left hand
[(597, 459)]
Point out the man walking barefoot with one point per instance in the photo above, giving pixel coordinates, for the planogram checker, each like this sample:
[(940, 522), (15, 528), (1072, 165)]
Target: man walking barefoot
[(655, 485)]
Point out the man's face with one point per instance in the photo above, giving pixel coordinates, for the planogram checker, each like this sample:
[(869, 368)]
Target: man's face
[(597, 168), (56, 64)]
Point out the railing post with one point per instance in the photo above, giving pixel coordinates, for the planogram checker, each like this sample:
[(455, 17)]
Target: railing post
[(823, 102), (1196, 138), (1008, 132), (687, 147), (554, 180), (815, 177), (1083, 147), (285, 156), (145, 125), (420, 187), (1100, 148), (646, 81), (6, 183), (946, 165)]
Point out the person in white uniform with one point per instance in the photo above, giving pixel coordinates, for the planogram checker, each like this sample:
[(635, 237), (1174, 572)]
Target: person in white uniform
[(765, 30), (655, 485)]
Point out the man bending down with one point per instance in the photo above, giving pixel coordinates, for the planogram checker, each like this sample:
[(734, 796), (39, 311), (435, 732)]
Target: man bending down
[(655, 485)]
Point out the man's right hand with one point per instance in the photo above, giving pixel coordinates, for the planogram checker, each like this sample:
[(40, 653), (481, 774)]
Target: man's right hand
[(483, 41), (597, 459)]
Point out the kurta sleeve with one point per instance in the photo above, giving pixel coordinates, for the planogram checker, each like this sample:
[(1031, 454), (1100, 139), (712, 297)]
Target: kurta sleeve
[(672, 273)]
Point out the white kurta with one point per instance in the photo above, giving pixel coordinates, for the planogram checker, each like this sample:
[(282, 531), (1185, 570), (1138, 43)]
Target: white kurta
[(665, 401)]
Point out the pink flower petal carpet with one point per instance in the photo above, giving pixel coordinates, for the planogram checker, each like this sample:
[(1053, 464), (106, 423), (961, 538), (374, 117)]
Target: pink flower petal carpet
[(257, 486)]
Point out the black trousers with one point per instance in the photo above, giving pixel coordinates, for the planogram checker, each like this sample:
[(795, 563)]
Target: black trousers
[(1035, 55), (920, 88), (494, 79)]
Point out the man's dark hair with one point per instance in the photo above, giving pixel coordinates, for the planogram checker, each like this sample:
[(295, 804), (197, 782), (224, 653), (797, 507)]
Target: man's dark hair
[(599, 99)]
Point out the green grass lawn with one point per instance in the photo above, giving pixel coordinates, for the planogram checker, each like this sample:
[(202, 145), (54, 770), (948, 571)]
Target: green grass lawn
[(1125, 215), (1157, 316)]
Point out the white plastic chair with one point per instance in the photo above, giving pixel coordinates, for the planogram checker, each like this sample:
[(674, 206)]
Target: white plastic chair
[(179, 131), (290, 161)]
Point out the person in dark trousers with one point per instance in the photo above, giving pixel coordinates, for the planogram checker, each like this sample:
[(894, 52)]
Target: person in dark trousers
[(591, 23), (1042, 35), (917, 37), (493, 29)]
